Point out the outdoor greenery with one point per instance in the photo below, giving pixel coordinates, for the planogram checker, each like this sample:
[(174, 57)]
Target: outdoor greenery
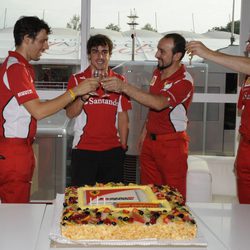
[(148, 26), (228, 27), (112, 26), (75, 23)]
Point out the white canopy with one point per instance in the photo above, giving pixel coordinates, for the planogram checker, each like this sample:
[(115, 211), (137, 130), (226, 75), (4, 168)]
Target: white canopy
[(65, 44)]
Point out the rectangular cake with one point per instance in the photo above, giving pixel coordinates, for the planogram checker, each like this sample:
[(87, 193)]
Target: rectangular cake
[(126, 212)]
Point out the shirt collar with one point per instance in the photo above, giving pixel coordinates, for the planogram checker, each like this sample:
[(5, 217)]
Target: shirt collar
[(19, 57)]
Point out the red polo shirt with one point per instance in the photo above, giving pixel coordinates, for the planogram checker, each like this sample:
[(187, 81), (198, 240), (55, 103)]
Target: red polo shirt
[(96, 126), (178, 88), (16, 88), (244, 105)]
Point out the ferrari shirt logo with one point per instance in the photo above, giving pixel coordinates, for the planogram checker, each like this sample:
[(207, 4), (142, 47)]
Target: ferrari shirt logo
[(167, 85), (247, 82), (153, 80), (25, 92)]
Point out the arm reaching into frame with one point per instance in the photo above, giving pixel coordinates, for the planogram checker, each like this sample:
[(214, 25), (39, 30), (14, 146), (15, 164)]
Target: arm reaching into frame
[(236, 63)]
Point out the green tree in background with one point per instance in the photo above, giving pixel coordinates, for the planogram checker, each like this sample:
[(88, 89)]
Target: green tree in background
[(228, 27), (148, 26), (74, 23), (112, 26)]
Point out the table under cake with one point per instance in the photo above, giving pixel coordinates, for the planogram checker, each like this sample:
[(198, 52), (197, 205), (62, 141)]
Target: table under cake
[(27, 227)]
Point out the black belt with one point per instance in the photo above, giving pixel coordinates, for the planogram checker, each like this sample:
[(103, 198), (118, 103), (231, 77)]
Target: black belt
[(170, 136), (153, 137)]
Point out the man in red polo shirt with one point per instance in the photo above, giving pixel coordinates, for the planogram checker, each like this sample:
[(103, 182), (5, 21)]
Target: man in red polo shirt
[(20, 108), (101, 121), (163, 157)]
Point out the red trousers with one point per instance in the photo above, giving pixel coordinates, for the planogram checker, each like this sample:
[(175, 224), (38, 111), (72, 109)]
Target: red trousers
[(243, 171), (16, 169), (163, 161)]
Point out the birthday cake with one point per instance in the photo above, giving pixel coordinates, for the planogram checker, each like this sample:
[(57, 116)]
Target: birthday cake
[(126, 212)]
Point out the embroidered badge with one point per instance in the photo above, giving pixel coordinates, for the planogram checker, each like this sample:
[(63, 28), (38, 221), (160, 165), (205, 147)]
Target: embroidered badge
[(247, 82), (153, 80), (246, 96), (167, 85)]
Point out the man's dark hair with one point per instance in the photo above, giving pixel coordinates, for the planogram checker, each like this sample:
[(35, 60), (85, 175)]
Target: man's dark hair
[(179, 43), (99, 40), (28, 25)]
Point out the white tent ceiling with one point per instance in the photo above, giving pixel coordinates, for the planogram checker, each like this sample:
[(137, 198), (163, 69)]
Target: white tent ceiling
[(65, 44)]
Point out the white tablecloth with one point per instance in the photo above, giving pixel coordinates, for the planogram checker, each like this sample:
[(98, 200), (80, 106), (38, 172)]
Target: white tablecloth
[(27, 227)]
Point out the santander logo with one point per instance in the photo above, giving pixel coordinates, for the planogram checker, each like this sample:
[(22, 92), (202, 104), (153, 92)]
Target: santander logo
[(97, 101)]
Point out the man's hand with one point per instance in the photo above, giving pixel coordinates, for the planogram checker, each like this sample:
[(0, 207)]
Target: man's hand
[(197, 48), (86, 86), (113, 84)]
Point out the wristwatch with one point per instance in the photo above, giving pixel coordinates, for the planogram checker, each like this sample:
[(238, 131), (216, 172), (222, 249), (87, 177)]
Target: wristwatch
[(83, 99)]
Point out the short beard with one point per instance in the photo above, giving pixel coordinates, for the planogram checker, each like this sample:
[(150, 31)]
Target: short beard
[(164, 67)]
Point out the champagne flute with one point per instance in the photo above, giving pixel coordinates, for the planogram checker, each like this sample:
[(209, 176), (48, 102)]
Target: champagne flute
[(95, 75)]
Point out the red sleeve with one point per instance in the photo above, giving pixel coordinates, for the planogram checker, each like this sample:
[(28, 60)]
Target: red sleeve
[(240, 100), (125, 100), (72, 82), (21, 83), (178, 93), (125, 103)]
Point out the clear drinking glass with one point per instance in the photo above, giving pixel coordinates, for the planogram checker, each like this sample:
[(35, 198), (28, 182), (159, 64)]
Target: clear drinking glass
[(106, 93), (95, 74)]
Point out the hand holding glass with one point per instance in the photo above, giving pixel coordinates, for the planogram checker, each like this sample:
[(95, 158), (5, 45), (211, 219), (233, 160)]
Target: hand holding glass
[(105, 95), (95, 75)]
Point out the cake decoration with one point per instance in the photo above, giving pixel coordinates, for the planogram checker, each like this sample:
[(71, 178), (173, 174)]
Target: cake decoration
[(121, 212)]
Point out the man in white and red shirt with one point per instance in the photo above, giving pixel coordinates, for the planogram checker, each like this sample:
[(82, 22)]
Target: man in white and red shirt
[(16, 123), (101, 121), (164, 152), (20, 108), (242, 162)]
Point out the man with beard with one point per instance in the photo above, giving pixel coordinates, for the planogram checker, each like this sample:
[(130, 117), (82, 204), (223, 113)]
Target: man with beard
[(164, 141)]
